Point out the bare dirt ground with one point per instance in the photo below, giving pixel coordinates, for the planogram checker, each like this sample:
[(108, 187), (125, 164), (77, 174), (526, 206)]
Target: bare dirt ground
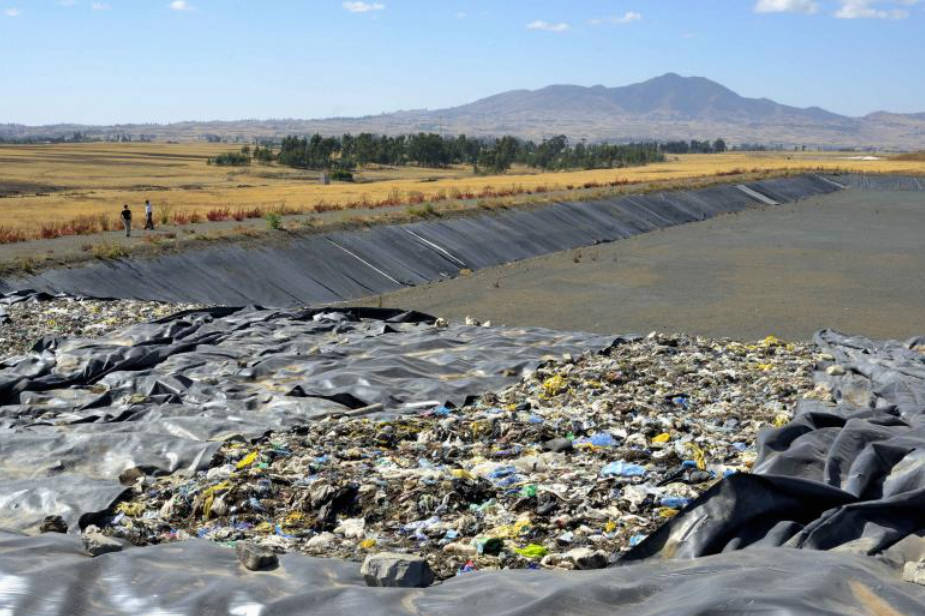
[(853, 261)]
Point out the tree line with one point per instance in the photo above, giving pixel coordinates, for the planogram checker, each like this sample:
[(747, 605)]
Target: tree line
[(483, 154), (694, 147)]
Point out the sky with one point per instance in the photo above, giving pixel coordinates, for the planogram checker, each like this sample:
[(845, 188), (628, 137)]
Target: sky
[(122, 61)]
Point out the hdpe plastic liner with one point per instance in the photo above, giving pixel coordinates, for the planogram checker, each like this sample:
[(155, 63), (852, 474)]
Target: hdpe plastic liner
[(319, 269)]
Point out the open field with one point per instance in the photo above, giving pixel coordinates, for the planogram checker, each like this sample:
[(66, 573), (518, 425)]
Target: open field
[(52, 190)]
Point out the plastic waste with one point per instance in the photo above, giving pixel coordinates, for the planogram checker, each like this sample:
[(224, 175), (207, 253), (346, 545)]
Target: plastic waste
[(622, 469)]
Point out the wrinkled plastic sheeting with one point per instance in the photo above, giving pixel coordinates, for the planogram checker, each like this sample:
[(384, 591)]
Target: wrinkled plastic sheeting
[(878, 181), (49, 576), (162, 396), (847, 477), (317, 269)]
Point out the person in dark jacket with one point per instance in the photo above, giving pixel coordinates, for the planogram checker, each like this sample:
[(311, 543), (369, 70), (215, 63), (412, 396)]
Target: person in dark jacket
[(127, 220)]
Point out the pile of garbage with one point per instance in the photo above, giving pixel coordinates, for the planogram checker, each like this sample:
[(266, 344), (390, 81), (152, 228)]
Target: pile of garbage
[(25, 318), (568, 468)]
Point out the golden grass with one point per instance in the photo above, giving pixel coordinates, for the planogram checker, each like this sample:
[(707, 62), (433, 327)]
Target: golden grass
[(93, 180), (911, 156)]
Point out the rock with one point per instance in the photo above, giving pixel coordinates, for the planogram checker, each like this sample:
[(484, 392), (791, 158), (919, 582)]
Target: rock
[(461, 549), (53, 524), (914, 572), (96, 543), (396, 570), (130, 475), (320, 542), (558, 445), (255, 557), (586, 558)]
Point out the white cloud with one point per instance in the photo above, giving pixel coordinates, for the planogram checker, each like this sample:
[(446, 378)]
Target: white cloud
[(865, 9), (363, 7), (100, 6), (787, 6), (539, 24), (626, 18), (180, 5), (12, 12)]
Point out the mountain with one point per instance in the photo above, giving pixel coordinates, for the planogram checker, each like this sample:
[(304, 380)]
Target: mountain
[(666, 107)]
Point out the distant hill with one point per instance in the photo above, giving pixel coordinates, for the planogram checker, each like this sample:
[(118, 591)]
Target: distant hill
[(666, 107)]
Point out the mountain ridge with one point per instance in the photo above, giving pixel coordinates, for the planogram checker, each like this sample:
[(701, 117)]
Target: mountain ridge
[(669, 106)]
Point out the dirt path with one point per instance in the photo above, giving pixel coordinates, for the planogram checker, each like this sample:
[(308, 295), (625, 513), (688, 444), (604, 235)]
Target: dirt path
[(853, 261)]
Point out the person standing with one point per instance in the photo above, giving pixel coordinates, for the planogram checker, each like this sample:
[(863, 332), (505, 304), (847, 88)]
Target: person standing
[(127, 220), (149, 216)]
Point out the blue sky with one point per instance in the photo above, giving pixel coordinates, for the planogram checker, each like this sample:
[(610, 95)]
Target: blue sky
[(158, 61)]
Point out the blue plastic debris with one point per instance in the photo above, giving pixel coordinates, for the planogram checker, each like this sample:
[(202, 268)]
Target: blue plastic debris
[(675, 502), (502, 471), (623, 469)]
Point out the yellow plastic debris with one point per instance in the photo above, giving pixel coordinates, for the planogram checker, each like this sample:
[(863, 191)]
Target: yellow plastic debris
[(765, 367), (461, 473), (554, 385), (610, 526), (667, 512), (247, 460), (532, 551), (131, 509), (664, 437), (521, 526), (368, 544), (781, 420), (295, 518), (208, 497), (697, 455)]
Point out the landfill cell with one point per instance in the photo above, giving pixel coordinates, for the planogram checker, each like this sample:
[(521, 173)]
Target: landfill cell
[(851, 260), (770, 475), (312, 269)]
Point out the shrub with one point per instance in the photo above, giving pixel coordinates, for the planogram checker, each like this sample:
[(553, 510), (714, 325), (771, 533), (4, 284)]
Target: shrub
[(230, 159), (217, 214), (11, 236), (425, 211), (109, 250), (164, 214), (274, 220), (341, 175)]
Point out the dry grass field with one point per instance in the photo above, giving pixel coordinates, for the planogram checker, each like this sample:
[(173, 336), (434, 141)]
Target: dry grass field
[(52, 190)]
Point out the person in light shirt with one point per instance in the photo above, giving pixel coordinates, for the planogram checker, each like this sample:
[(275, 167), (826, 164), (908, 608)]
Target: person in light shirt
[(149, 216)]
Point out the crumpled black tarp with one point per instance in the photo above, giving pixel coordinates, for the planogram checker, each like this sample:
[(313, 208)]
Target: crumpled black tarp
[(316, 269), (848, 477), (162, 396), (48, 575)]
